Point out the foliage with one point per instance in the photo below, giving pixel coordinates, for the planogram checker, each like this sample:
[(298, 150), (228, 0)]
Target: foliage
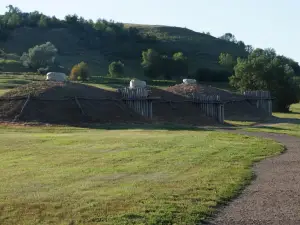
[(80, 72), (292, 63), (44, 21), (15, 18), (227, 61), (39, 56), (241, 44), (151, 63), (180, 64), (156, 65), (249, 48), (10, 65), (116, 69), (209, 75), (264, 70), (229, 37)]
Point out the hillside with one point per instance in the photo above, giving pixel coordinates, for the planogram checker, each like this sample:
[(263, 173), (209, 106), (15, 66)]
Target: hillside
[(82, 41)]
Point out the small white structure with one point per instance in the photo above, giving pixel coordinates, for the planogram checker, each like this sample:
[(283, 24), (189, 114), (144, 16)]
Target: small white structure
[(189, 81), (55, 76), (135, 83)]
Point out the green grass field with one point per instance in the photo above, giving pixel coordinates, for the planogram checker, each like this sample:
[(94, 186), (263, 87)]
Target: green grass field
[(284, 123), (136, 176), (288, 123)]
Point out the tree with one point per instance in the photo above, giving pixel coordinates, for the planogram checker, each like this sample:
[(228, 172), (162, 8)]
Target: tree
[(179, 56), (13, 17), (12, 9), (71, 19), (249, 48), (116, 69), (151, 63), (292, 63), (229, 37), (264, 70), (43, 22), (227, 61), (156, 65), (241, 44), (180, 64), (39, 56), (34, 18), (80, 72)]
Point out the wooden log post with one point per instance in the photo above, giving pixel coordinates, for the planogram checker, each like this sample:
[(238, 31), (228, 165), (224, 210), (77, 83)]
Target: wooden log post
[(137, 99), (79, 106), (221, 113), (22, 110), (262, 99), (150, 109)]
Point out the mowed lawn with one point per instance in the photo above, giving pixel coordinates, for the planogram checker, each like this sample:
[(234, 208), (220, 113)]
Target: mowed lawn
[(288, 123), (84, 176)]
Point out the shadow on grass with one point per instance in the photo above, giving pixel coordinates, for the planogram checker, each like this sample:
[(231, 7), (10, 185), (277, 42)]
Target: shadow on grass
[(94, 126), (271, 128), (259, 123), (157, 126), (278, 120)]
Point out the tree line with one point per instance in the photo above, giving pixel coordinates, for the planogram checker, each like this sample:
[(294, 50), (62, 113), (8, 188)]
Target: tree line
[(87, 30)]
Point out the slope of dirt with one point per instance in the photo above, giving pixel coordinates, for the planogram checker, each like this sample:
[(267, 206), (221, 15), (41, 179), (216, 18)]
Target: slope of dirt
[(243, 111), (236, 107), (178, 110), (54, 102)]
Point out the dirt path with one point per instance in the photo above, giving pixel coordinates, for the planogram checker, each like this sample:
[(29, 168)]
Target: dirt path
[(274, 196)]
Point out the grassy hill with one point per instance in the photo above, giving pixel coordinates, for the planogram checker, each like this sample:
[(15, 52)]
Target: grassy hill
[(79, 43)]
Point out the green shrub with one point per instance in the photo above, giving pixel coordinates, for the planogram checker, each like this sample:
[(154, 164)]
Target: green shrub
[(12, 66), (116, 69), (80, 72)]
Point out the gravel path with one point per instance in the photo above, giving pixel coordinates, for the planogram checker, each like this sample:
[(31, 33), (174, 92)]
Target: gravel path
[(274, 196)]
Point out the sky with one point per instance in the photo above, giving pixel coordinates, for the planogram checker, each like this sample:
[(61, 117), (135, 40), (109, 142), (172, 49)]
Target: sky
[(260, 23)]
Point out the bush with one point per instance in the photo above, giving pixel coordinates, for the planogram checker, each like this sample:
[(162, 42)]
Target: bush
[(39, 56), (12, 66), (80, 72), (156, 65), (116, 69)]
